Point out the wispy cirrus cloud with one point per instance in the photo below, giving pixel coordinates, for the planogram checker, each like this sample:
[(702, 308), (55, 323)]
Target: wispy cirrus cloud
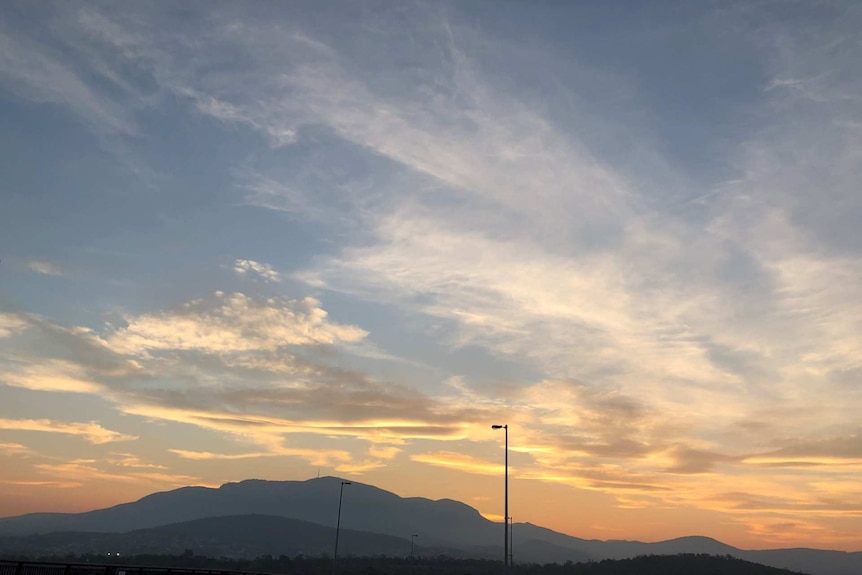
[(44, 268), (42, 72)]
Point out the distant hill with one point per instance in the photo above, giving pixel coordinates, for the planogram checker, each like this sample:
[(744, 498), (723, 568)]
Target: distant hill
[(683, 564), (239, 536), (444, 525)]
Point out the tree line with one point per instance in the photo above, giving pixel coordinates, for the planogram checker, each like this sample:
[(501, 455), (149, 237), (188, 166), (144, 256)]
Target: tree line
[(683, 564)]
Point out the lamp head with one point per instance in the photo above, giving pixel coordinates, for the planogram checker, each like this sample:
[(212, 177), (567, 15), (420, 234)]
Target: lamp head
[(496, 427), (346, 483)]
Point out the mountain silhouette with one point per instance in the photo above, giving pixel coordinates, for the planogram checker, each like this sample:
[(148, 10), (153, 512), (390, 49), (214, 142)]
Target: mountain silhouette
[(445, 526)]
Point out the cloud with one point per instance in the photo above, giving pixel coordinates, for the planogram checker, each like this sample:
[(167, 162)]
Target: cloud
[(318, 457), (229, 365), (206, 455), (11, 449), (253, 268), (383, 451), (37, 72), (232, 323), (132, 461), (688, 460), (52, 375), (92, 431), (49, 484), (359, 468), (834, 452), (11, 323), (66, 359), (232, 113), (460, 462), (269, 429), (45, 268), (84, 471), (848, 446)]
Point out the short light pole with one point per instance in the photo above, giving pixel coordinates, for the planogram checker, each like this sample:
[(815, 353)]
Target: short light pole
[(511, 542), (412, 561), (338, 526), (506, 505)]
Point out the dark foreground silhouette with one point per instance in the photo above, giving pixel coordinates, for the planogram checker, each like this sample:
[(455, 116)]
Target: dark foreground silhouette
[(683, 564)]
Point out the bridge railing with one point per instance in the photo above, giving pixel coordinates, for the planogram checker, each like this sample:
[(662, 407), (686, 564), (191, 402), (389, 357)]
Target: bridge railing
[(47, 568)]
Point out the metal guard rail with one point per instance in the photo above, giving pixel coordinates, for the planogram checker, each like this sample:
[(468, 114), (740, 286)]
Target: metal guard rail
[(47, 568)]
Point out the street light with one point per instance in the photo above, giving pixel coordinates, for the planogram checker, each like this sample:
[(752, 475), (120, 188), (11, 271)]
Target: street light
[(412, 561), (338, 525), (511, 542), (506, 508)]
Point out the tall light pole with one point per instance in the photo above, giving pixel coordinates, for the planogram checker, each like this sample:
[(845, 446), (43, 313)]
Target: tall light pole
[(506, 508), (338, 526)]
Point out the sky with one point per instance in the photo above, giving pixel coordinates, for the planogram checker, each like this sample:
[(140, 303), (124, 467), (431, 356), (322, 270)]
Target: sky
[(281, 239)]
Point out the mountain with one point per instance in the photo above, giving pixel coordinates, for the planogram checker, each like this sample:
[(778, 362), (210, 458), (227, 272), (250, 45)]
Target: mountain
[(366, 508), (445, 524)]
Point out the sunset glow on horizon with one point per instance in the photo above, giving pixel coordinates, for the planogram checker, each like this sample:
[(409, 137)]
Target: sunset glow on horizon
[(283, 240)]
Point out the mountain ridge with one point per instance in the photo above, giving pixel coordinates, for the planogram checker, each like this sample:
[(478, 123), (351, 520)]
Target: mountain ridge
[(445, 524)]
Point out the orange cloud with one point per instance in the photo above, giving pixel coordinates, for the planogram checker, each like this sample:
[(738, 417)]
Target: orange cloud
[(460, 462), (92, 431), (359, 468), (132, 461), (13, 449), (383, 452), (51, 484), (53, 375), (320, 457), (206, 455)]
